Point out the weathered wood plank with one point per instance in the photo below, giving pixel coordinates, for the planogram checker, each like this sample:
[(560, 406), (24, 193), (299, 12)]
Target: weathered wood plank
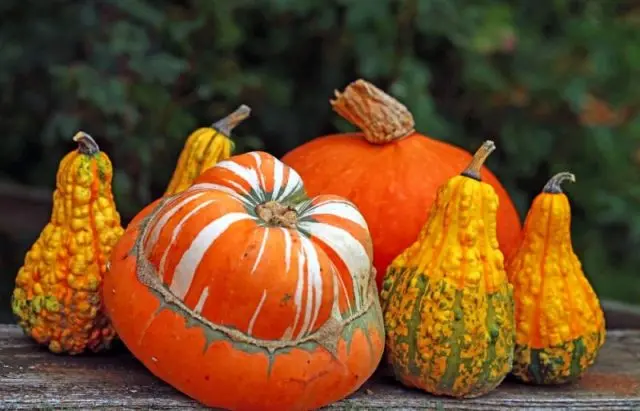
[(33, 378)]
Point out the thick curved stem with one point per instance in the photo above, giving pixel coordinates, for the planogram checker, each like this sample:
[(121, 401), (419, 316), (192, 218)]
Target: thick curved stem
[(227, 124), (381, 118), (480, 156), (86, 144), (554, 185)]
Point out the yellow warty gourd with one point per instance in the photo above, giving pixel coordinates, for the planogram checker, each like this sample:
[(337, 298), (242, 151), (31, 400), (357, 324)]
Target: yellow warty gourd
[(560, 325), (448, 307), (57, 296)]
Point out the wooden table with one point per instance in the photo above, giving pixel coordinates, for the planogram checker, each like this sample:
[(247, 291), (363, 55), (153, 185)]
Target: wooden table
[(31, 377)]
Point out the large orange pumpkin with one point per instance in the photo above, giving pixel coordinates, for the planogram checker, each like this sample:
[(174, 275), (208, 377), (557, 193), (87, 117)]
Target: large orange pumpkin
[(245, 294), (390, 171)]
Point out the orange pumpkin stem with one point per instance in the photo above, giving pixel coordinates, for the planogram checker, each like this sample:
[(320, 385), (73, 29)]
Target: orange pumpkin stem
[(86, 144), (554, 185), (225, 125), (275, 213), (381, 117), (480, 156)]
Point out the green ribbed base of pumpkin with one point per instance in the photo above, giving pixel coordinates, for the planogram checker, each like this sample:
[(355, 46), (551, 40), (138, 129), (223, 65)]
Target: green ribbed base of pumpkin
[(561, 364)]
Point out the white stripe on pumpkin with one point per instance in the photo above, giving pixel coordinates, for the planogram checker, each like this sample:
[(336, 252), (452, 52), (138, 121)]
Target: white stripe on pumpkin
[(308, 292), (297, 298), (201, 300), (177, 230), (191, 259), (314, 280), (153, 233), (223, 189), (278, 176), (261, 251), (338, 208), (348, 248), (338, 278), (287, 249), (292, 184), (254, 317), (256, 157), (249, 175)]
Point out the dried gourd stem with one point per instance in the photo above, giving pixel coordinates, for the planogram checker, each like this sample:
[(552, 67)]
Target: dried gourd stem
[(554, 185), (225, 125), (86, 144), (473, 169), (381, 118)]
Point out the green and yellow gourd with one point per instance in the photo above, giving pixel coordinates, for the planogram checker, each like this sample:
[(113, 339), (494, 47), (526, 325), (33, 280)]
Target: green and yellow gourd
[(57, 297), (560, 325), (448, 307)]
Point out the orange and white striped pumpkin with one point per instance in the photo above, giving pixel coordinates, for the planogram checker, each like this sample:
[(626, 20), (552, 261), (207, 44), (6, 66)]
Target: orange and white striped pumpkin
[(245, 294)]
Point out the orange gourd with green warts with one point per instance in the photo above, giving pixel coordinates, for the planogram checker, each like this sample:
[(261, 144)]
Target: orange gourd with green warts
[(447, 304), (57, 297), (560, 325), (204, 148)]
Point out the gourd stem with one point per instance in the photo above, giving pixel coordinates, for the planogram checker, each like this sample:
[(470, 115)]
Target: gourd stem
[(86, 144), (381, 117), (225, 125), (480, 156), (554, 185)]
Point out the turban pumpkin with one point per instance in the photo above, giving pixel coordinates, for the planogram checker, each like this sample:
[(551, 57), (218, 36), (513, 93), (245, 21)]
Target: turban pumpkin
[(245, 294)]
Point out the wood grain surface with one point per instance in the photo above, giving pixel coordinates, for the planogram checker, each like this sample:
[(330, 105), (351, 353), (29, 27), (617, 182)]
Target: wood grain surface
[(32, 378)]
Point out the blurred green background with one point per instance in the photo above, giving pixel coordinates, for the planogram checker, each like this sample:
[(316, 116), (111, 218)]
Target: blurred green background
[(554, 83)]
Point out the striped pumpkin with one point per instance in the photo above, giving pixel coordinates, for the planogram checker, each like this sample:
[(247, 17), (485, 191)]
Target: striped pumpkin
[(245, 294)]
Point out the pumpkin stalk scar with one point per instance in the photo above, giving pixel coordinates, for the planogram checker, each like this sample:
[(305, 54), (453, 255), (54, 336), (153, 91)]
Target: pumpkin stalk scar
[(277, 214), (381, 118)]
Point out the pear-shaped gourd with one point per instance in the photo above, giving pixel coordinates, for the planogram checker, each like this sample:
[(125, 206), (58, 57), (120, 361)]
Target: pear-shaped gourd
[(448, 307), (560, 325), (57, 295)]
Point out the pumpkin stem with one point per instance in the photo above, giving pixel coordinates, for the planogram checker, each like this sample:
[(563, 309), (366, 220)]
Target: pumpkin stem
[(381, 117), (275, 213), (554, 185), (86, 144), (480, 156), (225, 125)]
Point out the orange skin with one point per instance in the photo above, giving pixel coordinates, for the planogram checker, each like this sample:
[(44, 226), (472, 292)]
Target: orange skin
[(393, 185), (208, 344)]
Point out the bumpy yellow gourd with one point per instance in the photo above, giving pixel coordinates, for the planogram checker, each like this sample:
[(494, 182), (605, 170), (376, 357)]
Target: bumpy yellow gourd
[(448, 307), (57, 298), (204, 148), (560, 325)]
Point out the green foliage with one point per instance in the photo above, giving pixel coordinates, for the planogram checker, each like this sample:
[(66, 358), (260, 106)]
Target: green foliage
[(551, 82)]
